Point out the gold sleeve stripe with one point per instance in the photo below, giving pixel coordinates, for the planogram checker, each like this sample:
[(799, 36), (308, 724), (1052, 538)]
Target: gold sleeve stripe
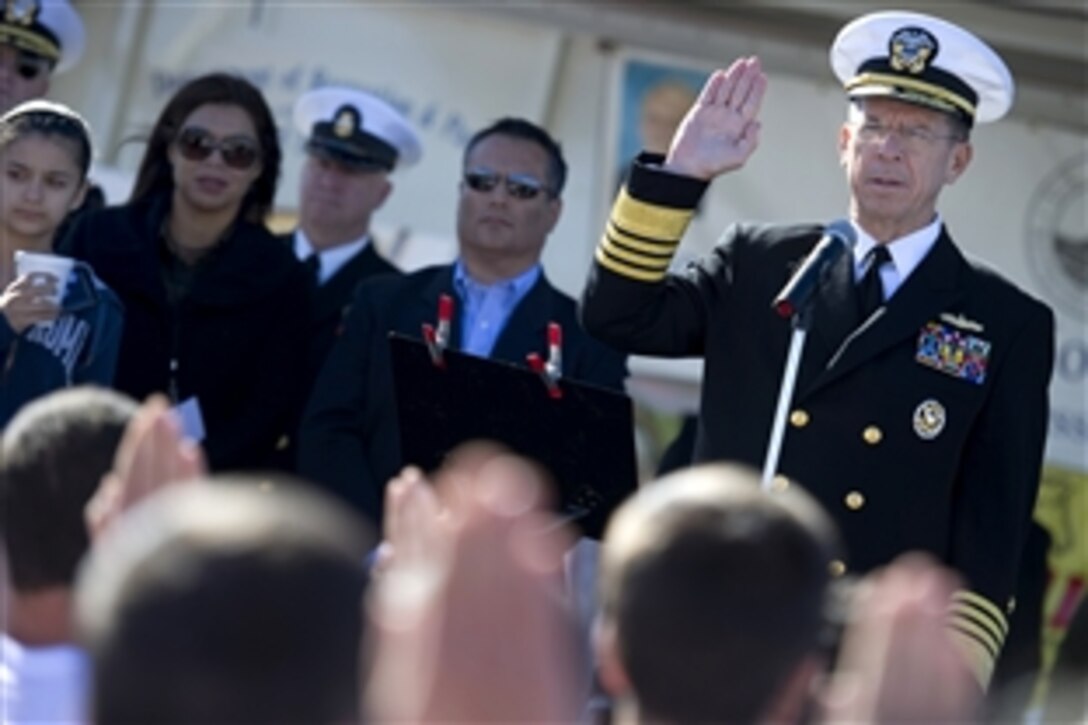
[(655, 247), (976, 632), (640, 260), (649, 220), (626, 270), (982, 627), (649, 265), (656, 254), (980, 606), (979, 659)]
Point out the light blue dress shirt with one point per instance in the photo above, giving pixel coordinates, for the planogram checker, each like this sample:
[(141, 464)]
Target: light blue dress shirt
[(488, 307)]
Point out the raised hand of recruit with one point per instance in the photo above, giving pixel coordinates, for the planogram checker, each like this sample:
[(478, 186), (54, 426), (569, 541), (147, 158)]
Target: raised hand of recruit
[(29, 300), (152, 455), (721, 130), (466, 621), (898, 661)]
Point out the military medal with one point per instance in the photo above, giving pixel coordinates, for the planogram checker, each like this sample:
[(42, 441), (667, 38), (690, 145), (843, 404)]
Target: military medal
[(953, 352), (929, 419)]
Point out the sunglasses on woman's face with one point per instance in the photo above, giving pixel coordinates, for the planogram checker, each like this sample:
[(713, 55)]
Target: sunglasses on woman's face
[(198, 144)]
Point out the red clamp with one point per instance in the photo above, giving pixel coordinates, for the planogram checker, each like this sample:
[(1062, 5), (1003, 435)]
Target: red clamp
[(439, 339), (552, 370)]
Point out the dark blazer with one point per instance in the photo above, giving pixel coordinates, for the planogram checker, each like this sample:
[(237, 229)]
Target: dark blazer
[(233, 340), (349, 441), (903, 454), (330, 302), (328, 305)]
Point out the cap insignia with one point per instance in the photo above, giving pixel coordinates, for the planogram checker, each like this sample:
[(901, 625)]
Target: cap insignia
[(346, 121), (911, 50), (21, 12)]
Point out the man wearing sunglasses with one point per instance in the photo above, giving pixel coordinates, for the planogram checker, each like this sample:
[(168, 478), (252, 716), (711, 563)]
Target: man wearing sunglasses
[(512, 178), (37, 39)]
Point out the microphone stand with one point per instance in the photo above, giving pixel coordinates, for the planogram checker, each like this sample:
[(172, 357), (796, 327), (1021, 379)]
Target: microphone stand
[(801, 320)]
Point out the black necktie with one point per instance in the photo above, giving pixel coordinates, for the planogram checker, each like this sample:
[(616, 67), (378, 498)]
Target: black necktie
[(870, 289), (313, 268)]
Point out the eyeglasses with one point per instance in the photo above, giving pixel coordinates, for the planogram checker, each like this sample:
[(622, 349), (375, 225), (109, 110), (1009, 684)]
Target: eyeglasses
[(913, 138), (198, 144), (519, 186)]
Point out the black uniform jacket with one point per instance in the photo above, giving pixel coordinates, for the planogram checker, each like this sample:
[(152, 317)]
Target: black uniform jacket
[(350, 440), (233, 340), (331, 299), (328, 305), (921, 427)]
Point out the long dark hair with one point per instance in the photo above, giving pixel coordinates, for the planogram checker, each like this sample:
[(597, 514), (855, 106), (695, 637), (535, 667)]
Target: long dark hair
[(156, 175)]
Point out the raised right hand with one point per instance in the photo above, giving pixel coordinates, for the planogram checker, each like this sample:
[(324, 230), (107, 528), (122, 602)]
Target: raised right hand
[(720, 131), (153, 455), (898, 661)]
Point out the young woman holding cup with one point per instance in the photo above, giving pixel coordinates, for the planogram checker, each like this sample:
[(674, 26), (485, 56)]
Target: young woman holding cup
[(59, 325)]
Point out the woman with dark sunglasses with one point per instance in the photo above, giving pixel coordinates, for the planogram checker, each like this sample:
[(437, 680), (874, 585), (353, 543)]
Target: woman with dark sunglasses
[(216, 309)]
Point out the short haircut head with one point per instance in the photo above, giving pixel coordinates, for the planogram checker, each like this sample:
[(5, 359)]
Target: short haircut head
[(524, 130), (715, 591), (53, 455), (237, 600)]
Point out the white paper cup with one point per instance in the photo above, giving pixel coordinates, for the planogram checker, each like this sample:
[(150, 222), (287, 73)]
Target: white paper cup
[(56, 266)]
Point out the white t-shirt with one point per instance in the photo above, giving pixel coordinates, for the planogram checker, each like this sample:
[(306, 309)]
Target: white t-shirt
[(42, 684)]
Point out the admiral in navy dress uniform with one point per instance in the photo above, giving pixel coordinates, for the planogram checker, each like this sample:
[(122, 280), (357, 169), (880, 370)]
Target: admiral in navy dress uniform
[(919, 424)]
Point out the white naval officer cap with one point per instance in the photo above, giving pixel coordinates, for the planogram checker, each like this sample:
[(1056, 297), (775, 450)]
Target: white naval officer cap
[(356, 129), (922, 60), (49, 28)]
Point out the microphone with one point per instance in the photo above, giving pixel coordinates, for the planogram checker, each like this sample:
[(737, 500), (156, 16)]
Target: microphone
[(839, 237)]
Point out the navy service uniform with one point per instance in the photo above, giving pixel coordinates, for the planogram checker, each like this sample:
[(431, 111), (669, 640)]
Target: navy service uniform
[(330, 301), (364, 134), (360, 134), (919, 428)]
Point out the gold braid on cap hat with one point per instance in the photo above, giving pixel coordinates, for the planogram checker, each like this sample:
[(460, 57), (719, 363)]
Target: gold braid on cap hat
[(19, 26)]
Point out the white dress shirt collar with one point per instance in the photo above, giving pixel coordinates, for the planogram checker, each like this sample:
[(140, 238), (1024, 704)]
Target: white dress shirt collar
[(331, 259), (907, 253)]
